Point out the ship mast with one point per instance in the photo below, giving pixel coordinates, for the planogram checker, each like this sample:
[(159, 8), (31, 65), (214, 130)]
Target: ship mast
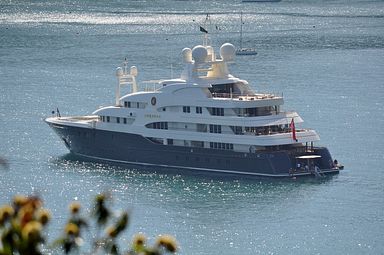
[(241, 30), (125, 78)]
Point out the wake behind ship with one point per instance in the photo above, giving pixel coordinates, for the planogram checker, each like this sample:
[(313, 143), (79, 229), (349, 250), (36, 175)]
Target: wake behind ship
[(206, 120)]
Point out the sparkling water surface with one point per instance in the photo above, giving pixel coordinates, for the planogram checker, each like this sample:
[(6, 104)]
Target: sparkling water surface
[(326, 57)]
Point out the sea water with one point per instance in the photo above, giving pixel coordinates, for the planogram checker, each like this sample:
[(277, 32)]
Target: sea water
[(326, 57)]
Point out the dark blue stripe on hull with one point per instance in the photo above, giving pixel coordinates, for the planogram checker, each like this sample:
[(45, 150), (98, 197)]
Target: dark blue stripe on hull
[(130, 148)]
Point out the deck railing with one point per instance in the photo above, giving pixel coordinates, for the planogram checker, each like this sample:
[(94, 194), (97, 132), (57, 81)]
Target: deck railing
[(80, 118), (247, 97), (249, 133)]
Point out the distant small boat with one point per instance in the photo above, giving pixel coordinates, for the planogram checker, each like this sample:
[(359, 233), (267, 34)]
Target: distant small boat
[(241, 50), (246, 51)]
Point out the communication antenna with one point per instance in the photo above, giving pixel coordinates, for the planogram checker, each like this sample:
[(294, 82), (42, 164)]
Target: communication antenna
[(125, 78), (170, 58), (205, 28)]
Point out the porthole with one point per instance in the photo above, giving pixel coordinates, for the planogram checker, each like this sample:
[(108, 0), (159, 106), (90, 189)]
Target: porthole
[(153, 100)]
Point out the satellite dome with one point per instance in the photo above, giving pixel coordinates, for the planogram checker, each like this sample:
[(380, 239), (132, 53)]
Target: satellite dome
[(187, 55), (199, 54), (227, 51), (133, 71), (119, 71)]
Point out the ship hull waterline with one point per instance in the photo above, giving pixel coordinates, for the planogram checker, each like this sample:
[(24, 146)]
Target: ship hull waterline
[(134, 149)]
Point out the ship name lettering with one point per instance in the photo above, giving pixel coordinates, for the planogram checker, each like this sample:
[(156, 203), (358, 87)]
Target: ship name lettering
[(152, 116)]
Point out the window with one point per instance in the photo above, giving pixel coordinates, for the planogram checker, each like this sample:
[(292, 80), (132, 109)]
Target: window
[(221, 146), (170, 141), (186, 109), (125, 120), (217, 111), (199, 144), (214, 128), (158, 125), (117, 119), (201, 128), (199, 110), (224, 88), (108, 118), (237, 130), (139, 105), (163, 125)]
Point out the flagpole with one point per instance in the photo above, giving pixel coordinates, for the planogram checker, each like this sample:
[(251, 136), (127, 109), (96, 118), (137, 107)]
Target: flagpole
[(294, 129)]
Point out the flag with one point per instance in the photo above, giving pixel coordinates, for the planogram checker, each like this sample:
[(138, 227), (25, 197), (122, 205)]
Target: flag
[(293, 129), (203, 30)]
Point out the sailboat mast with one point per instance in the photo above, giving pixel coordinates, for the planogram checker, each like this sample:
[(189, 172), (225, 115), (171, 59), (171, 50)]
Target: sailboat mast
[(241, 30), (241, 50)]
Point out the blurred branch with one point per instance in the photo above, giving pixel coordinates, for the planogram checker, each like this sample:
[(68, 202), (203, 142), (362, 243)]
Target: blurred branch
[(23, 226), (4, 163)]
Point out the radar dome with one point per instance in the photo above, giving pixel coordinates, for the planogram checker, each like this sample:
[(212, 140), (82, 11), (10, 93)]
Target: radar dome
[(133, 71), (227, 51), (187, 55), (119, 71), (199, 54)]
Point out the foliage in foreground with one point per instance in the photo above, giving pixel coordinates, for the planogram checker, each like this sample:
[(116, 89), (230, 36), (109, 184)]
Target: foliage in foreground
[(23, 224)]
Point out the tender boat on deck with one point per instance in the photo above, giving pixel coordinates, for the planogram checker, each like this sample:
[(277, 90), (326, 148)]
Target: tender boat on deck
[(206, 120)]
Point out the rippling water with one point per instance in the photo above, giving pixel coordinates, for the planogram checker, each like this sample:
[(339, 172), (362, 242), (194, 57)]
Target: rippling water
[(327, 57)]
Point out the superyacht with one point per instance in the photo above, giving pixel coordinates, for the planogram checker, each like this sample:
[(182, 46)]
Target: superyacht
[(205, 120)]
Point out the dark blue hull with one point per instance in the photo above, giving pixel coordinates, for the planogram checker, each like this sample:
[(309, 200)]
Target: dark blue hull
[(135, 149)]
